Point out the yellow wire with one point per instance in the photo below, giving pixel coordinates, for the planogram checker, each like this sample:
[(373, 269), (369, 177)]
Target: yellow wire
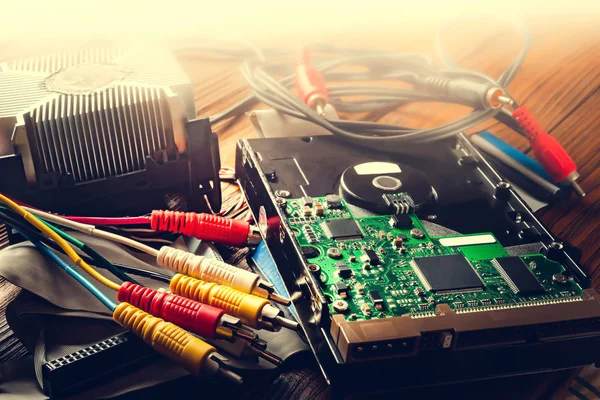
[(32, 219)]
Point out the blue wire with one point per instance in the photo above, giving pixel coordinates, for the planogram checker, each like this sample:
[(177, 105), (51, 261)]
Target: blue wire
[(515, 154), (73, 272)]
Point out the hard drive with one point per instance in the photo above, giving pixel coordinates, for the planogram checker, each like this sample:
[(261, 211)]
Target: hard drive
[(417, 267)]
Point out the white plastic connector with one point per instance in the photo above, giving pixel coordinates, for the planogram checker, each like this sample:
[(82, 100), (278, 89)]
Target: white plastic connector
[(210, 270), (446, 340)]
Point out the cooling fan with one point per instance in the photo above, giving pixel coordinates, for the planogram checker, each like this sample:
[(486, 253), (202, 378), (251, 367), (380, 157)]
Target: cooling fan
[(83, 130)]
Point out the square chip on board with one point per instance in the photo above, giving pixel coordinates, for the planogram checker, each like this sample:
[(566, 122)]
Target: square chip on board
[(520, 279), (345, 228), (447, 274)]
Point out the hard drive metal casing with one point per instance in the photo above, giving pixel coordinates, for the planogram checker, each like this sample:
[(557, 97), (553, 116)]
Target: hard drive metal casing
[(470, 200)]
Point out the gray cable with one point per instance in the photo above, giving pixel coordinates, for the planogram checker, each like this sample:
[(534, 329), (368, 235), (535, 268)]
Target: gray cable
[(380, 67)]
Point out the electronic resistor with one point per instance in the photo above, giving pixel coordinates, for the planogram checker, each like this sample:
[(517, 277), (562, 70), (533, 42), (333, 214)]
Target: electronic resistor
[(306, 211), (319, 210)]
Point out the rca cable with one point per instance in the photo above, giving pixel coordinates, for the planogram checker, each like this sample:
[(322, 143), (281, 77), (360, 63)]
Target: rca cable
[(476, 90), (216, 311), (360, 81), (200, 267)]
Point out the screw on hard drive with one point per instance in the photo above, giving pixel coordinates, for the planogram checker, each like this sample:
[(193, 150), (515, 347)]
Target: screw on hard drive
[(283, 193), (314, 268), (340, 306), (515, 216), (281, 201), (555, 251), (503, 191), (560, 278), (270, 174)]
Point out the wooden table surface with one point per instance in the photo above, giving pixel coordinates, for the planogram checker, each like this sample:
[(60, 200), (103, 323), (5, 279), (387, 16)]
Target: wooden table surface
[(559, 81)]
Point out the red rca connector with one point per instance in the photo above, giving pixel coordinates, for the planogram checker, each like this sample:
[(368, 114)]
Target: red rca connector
[(195, 317), (202, 319), (203, 226), (549, 153), (310, 83)]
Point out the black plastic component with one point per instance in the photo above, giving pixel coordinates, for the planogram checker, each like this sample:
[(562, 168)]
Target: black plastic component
[(94, 364), (343, 270), (371, 257), (451, 273), (192, 176), (520, 279), (401, 221), (342, 288), (377, 300), (342, 228), (523, 182), (310, 252)]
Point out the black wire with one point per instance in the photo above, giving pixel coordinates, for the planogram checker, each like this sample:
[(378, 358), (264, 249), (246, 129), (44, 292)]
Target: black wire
[(27, 228)]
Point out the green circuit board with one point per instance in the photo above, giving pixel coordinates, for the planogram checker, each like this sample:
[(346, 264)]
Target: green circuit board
[(413, 272)]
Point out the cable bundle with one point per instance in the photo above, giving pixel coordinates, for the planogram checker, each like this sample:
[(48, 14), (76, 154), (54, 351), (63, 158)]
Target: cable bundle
[(160, 318), (429, 84)]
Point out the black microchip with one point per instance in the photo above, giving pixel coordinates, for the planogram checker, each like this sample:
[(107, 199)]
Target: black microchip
[(520, 279), (343, 270), (345, 228), (451, 273), (307, 201), (341, 288), (401, 221), (371, 257), (376, 299), (310, 252)]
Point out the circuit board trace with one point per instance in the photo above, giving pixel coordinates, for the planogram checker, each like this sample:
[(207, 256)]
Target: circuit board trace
[(372, 263)]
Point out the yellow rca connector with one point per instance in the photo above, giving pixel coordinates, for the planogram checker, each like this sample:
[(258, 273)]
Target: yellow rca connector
[(173, 342), (211, 270), (251, 310)]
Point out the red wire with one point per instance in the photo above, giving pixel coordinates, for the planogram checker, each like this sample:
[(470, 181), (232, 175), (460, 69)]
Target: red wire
[(110, 221)]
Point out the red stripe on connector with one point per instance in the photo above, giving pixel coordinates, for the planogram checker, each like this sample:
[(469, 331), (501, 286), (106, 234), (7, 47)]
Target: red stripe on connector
[(527, 122), (309, 82), (202, 226), (549, 153), (191, 315)]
